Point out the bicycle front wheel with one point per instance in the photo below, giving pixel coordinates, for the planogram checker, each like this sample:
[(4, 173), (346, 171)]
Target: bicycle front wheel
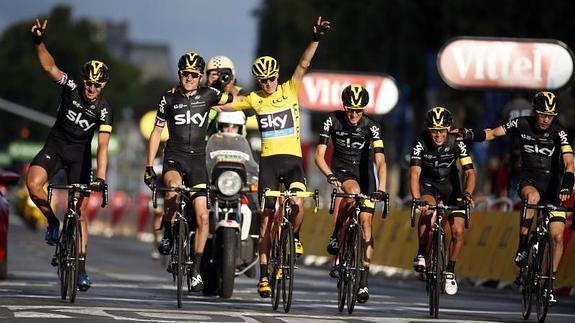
[(288, 265), (355, 245), (545, 275), (180, 261), (435, 275), (527, 281), (275, 265), (342, 260), (62, 256)]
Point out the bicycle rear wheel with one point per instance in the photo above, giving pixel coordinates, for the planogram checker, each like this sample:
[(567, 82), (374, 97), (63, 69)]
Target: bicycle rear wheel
[(275, 264), (356, 259), (73, 264), (180, 261), (288, 255), (545, 274)]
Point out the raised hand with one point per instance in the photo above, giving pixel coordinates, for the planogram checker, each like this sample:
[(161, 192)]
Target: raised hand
[(320, 29), (38, 31)]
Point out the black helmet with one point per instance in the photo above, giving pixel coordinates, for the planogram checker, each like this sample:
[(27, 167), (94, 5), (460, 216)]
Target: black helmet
[(95, 71), (191, 61), (438, 118), (545, 102), (355, 96)]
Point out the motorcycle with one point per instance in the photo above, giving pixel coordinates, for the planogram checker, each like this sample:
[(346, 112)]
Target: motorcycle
[(231, 249)]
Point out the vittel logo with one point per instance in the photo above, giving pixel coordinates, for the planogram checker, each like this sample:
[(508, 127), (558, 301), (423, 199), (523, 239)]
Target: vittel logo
[(76, 117), (189, 118)]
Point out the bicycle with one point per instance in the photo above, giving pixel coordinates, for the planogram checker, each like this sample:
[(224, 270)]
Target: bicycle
[(180, 263), (349, 259), (281, 264), (67, 254), (536, 279), (433, 274)]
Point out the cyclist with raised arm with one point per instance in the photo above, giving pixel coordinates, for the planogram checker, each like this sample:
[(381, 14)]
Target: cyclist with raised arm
[(432, 174), (354, 137), (82, 110), (185, 110), (277, 110), (544, 146)]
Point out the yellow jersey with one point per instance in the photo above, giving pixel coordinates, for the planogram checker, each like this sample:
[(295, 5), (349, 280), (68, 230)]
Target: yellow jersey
[(278, 118)]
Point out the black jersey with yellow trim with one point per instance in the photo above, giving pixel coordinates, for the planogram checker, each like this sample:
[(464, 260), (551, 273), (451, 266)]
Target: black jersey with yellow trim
[(436, 162), (351, 143), (187, 117), (539, 148), (78, 118)]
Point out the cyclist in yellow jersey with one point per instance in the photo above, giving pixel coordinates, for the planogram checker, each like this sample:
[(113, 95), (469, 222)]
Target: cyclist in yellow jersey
[(277, 111)]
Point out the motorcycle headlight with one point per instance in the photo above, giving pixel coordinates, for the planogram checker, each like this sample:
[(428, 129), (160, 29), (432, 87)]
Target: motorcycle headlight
[(229, 183)]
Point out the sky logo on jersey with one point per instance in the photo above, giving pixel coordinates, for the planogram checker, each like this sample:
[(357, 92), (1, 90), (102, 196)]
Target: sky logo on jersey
[(417, 149), (534, 149), (77, 119), (278, 124), (189, 118)]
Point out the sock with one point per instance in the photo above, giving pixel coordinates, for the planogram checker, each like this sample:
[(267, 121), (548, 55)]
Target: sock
[(263, 271), (364, 274), (197, 261), (451, 266), (82, 266), (296, 236), (523, 241), (422, 249)]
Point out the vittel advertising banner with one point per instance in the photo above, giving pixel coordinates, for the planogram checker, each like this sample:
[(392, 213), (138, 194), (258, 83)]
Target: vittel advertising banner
[(321, 91), (511, 63)]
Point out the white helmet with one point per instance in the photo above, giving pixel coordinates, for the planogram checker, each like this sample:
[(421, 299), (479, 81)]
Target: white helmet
[(235, 117), (220, 62)]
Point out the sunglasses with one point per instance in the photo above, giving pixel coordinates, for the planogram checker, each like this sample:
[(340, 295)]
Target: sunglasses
[(193, 75), (352, 111), (94, 84), (265, 81)]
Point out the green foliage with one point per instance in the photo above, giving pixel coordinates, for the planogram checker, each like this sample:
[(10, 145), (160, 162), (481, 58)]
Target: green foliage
[(71, 43)]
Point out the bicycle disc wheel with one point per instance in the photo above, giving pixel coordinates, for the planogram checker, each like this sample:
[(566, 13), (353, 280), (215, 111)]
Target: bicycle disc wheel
[(180, 262), (274, 265), (288, 249), (74, 254), (545, 274), (356, 261)]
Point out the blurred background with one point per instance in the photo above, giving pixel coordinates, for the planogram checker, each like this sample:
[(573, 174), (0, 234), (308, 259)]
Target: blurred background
[(141, 42)]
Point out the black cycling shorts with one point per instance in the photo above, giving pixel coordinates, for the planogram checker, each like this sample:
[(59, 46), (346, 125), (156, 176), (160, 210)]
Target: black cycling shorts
[(74, 158), (448, 190), (362, 174), (274, 167), (548, 188), (192, 168)]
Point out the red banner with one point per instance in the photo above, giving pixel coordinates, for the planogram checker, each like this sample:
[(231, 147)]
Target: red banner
[(470, 62), (322, 91)]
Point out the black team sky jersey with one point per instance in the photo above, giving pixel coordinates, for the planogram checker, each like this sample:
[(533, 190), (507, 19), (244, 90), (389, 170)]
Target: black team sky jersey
[(78, 118), (436, 162), (187, 118), (351, 143), (540, 149)]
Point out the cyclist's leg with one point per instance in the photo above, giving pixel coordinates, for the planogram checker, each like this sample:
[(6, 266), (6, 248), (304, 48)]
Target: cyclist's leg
[(43, 167), (171, 178), (530, 194), (423, 230), (294, 178)]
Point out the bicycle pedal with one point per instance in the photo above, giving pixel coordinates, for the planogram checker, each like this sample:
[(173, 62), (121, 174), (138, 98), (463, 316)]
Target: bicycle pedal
[(279, 274)]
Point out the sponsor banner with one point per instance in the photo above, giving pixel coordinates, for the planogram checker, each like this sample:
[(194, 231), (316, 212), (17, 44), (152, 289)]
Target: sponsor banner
[(321, 91), (512, 63)]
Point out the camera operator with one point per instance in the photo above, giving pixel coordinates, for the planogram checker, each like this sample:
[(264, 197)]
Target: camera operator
[(221, 75)]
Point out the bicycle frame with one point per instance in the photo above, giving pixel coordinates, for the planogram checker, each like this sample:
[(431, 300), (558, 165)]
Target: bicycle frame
[(67, 254), (434, 273), (538, 275), (180, 256), (349, 260), (282, 253)]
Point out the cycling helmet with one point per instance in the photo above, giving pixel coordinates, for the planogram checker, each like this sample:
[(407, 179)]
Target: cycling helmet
[(438, 118), (234, 118), (265, 67), (220, 62), (191, 61), (355, 96), (95, 71), (545, 102)]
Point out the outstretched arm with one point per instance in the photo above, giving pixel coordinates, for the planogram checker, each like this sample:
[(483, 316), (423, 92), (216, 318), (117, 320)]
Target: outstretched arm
[(319, 31), (44, 56)]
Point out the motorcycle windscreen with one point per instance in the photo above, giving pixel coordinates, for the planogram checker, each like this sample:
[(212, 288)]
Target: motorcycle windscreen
[(231, 148)]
